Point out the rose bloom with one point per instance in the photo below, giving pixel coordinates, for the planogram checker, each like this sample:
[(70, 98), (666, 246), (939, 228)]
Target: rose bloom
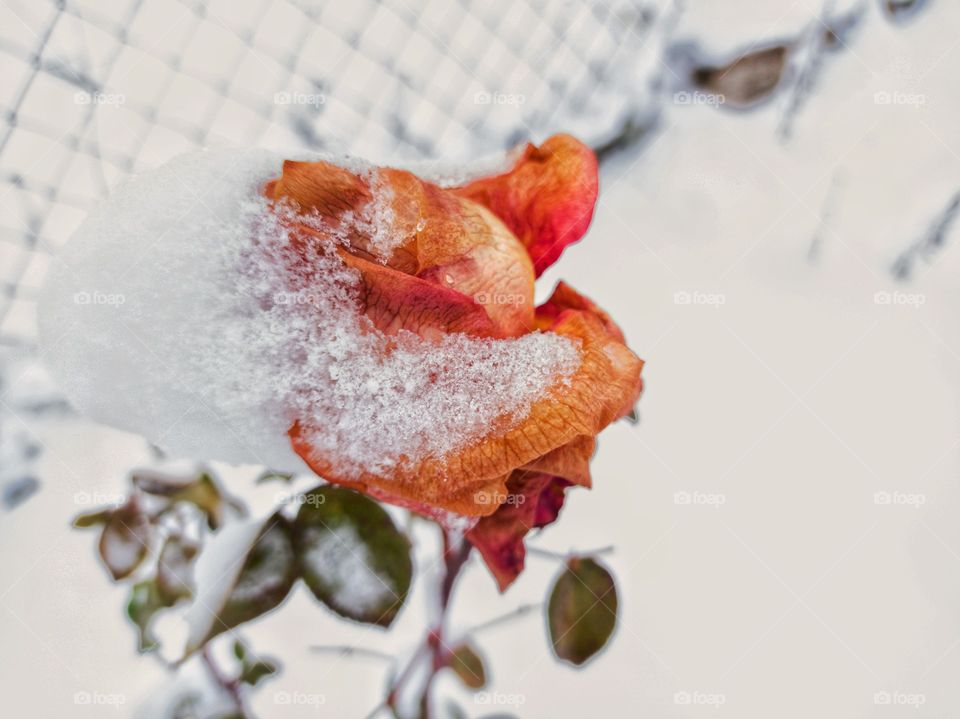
[(466, 263)]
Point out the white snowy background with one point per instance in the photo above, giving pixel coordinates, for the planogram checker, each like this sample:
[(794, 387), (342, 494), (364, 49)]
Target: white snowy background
[(783, 516)]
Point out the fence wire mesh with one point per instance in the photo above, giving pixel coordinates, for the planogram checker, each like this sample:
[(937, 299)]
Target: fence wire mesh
[(94, 90)]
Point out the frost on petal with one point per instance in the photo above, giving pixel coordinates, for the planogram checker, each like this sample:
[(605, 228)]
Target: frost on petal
[(466, 481), (546, 200), (392, 217)]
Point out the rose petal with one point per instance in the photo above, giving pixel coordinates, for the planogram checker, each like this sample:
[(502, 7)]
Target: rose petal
[(570, 462), (395, 301), (566, 302), (436, 262), (533, 500), (430, 233), (567, 299), (547, 199), (465, 482)]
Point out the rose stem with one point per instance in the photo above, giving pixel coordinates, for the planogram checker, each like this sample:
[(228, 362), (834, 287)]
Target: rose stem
[(455, 555), (231, 686)]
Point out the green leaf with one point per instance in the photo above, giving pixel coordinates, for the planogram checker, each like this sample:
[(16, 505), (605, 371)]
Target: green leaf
[(145, 601), (250, 573), (352, 556), (582, 611), (92, 519), (124, 540), (256, 671), (468, 665)]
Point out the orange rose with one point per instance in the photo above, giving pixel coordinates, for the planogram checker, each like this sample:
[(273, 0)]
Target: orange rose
[(436, 261)]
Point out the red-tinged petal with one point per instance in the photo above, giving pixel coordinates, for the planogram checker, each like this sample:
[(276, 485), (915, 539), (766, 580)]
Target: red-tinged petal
[(547, 199), (394, 301), (533, 500), (567, 299), (393, 218), (465, 481)]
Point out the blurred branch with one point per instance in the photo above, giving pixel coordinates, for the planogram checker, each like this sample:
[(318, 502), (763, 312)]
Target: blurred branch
[(932, 242), (549, 554), (521, 611), (826, 215), (345, 650), (824, 34)]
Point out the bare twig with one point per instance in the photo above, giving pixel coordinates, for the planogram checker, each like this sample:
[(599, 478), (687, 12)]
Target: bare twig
[(520, 611), (931, 243), (549, 554), (825, 33), (345, 650), (826, 215)]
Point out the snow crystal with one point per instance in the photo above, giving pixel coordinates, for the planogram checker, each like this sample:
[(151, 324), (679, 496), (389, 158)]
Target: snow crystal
[(182, 310), (376, 218)]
